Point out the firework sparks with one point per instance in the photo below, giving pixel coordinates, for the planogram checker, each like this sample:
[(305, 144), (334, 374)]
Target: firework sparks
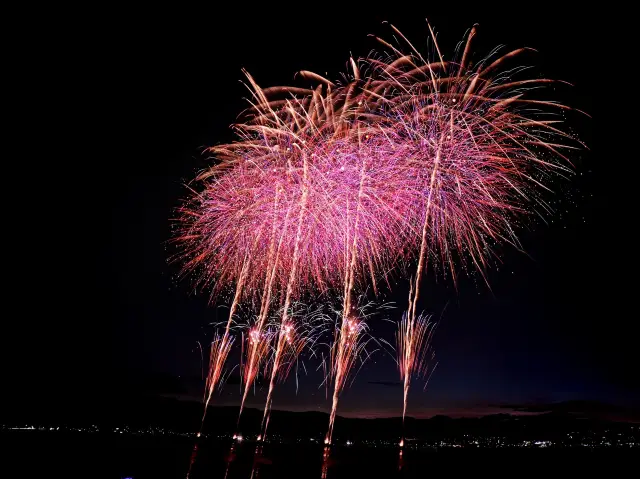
[(286, 327), (257, 350), (347, 348), (302, 330), (289, 344), (413, 352), (220, 348), (335, 187), (218, 354), (285, 195), (286, 192), (482, 150), (483, 153)]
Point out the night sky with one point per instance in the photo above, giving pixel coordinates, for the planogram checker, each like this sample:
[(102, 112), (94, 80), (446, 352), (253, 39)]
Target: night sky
[(553, 327)]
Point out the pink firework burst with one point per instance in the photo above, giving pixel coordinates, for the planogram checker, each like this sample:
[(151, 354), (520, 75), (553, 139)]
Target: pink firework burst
[(482, 148)]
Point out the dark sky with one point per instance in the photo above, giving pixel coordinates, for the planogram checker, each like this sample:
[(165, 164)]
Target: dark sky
[(555, 325)]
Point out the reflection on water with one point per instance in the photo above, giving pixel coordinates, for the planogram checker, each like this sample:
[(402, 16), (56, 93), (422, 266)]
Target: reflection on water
[(325, 462), (251, 460), (31, 454), (158, 458), (266, 461), (230, 457), (259, 460)]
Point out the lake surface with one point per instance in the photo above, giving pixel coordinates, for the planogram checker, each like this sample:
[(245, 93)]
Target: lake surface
[(27, 454)]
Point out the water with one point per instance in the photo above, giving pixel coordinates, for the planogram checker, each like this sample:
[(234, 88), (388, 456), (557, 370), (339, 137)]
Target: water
[(29, 454)]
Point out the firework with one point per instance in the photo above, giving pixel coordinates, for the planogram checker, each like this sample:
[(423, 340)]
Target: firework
[(293, 336), (285, 325), (300, 184), (287, 343), (346, 350), (218, 353), (257, 342), (286, 193), (350, 345), (334, 187), (483, 152), (347, 344), (413, 352), (220, 348), (286, 328)]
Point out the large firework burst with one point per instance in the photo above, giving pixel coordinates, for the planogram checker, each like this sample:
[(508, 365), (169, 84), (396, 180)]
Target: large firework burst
[(332, 187)]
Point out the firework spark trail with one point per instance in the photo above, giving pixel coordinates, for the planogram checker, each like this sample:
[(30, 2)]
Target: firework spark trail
[(284, 336), (220, 347), (348, 349), (257, 347), (274, 373), (298, 333), (423, 242), (413, 346), (218, 354), (349, 332), (345, 352), (289, 345)]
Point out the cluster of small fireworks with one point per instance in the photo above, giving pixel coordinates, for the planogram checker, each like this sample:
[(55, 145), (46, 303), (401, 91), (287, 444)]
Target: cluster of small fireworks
[(330, 189)]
